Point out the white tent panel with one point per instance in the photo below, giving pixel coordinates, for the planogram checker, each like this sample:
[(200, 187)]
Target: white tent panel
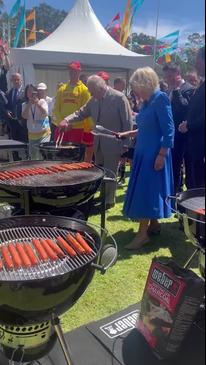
[(80, 37)]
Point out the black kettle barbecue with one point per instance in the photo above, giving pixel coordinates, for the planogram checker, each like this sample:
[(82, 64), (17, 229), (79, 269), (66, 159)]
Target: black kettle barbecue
[(190, 207), (68, 151), (46, 264), (50, 183)]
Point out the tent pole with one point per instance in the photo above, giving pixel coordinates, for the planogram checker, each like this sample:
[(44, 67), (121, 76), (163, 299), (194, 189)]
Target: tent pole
[(156, 33)]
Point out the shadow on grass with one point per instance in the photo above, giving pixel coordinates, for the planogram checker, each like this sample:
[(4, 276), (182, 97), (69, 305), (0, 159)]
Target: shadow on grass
[(171, 238)]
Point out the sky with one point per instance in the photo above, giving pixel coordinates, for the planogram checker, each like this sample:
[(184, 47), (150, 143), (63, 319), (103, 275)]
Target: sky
[(184, 15)]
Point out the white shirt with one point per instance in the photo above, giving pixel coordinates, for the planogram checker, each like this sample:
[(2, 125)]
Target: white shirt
[(37, 121)]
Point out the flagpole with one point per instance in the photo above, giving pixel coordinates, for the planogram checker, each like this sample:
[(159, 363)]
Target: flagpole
[(9, 33), (25, 32), (156, 32), (35, 25)]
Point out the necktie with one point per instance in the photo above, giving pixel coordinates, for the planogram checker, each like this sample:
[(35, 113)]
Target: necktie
[(15, 94)]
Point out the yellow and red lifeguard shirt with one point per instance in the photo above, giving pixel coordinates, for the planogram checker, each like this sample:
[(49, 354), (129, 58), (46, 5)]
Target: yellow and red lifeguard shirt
[(70, 99)]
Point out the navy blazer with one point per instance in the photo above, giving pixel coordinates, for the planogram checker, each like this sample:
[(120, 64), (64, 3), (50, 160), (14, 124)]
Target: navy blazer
[(15, 107)]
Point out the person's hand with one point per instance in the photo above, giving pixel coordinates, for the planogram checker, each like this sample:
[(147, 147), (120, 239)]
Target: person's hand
[(159, 163), (119, 135), (65, 125), (183, 128), (9, 115)]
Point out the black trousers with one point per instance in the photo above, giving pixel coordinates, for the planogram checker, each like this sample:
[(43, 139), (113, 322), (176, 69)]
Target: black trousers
[(180, 159), (196, 171), (17, 130)]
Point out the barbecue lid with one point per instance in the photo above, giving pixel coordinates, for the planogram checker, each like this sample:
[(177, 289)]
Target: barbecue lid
[(69, 178), (193, 201)]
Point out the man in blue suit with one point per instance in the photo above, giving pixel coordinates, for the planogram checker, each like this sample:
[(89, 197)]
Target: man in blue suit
[(16, 125)]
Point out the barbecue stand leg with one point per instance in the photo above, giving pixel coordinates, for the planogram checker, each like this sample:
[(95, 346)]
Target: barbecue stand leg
[(60, 335), (26, 195), (103, 206)]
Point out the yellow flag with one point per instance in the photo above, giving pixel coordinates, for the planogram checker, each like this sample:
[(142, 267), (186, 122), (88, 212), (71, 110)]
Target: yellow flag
[(168, 58), (125, 26), (31, 16), (32, 35)]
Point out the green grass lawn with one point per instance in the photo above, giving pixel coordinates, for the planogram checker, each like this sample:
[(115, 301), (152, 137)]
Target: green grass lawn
[(124, 283)]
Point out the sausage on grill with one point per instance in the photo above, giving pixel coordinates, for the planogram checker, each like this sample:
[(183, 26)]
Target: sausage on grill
[(40, 250), (15, 256), (55, 248), (30, 252), (1, 265), (75, 244), (7, 258), (52, 254), (83, 243), (24, 256), (61, 241)]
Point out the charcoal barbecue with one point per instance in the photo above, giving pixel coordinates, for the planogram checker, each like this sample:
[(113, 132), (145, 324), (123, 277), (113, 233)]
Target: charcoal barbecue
[(190, 206), (71, 152), (46, 264), (50, 182)]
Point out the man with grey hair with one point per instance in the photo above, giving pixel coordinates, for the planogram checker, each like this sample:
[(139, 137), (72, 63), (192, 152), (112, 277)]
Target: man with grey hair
[(17, 127), (111, 109)]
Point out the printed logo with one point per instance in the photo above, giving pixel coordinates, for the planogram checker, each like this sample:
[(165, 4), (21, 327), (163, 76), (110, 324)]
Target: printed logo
[(165, 281), (121, 325)]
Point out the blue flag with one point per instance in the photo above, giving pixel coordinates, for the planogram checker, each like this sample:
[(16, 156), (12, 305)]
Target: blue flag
[(15, 9), (20, 25), (168, 44)]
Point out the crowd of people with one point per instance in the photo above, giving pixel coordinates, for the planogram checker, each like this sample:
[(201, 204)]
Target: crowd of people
[(164, 119)]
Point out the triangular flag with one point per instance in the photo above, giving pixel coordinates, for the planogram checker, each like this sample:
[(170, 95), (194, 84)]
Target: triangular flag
[(32, 35), (31, 16), (117, 17)]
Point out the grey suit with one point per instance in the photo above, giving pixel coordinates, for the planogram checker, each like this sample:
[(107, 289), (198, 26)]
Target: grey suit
[(113, 112)]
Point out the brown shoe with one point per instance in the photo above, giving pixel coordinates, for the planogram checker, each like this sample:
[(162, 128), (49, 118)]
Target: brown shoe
[(154, 229), (137, 243)]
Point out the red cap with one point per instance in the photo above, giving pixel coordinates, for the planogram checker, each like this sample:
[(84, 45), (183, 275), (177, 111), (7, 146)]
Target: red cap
[(75, 65), (104, 75)]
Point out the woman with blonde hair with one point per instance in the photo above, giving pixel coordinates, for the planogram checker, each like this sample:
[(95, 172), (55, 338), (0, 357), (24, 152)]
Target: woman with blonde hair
[(151, 179)]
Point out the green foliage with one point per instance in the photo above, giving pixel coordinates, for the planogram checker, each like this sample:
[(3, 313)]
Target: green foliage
[(48, 19)]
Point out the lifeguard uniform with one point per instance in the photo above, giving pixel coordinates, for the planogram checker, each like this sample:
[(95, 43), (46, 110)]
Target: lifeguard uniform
[(70, 99)]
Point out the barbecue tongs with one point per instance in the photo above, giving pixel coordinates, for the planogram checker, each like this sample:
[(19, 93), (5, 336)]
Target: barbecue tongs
[(99, 130), (59, 140)]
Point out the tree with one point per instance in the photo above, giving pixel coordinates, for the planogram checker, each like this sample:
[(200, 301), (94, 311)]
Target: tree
[(48, 19)]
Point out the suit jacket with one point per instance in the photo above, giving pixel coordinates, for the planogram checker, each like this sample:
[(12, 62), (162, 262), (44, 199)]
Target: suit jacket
[(180, 103), (112, 112), (15, 107), (17, 126), (196, 121)]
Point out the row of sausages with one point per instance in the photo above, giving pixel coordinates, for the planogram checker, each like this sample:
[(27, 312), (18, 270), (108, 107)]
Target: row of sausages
[(23, 255), (17, 174)]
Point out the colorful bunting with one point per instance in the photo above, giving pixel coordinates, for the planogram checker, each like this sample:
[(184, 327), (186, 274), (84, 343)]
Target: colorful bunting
[(130, 12), (31, 16), (117, 17), (20, 25), (15, 9)]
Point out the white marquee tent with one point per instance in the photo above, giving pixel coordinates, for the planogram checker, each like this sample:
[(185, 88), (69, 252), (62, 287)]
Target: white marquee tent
[(80, 37)]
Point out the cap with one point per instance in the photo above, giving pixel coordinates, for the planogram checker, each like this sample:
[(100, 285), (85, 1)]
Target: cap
[(75, 65), (42, 86), (104, 75)]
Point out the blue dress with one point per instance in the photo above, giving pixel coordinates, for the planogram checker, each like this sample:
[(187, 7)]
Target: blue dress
[(148, 188)]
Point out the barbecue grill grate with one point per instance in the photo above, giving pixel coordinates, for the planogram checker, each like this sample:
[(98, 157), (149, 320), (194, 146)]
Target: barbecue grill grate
[(75, 174), (43, 269)]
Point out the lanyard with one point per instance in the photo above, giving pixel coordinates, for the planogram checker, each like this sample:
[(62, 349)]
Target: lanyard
[(33, 112)]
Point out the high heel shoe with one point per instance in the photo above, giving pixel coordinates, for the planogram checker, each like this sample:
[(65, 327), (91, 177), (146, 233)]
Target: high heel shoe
[(154, 230)]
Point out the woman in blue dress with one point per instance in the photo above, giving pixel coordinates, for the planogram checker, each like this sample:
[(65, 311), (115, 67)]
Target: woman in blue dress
[(151, 179)]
